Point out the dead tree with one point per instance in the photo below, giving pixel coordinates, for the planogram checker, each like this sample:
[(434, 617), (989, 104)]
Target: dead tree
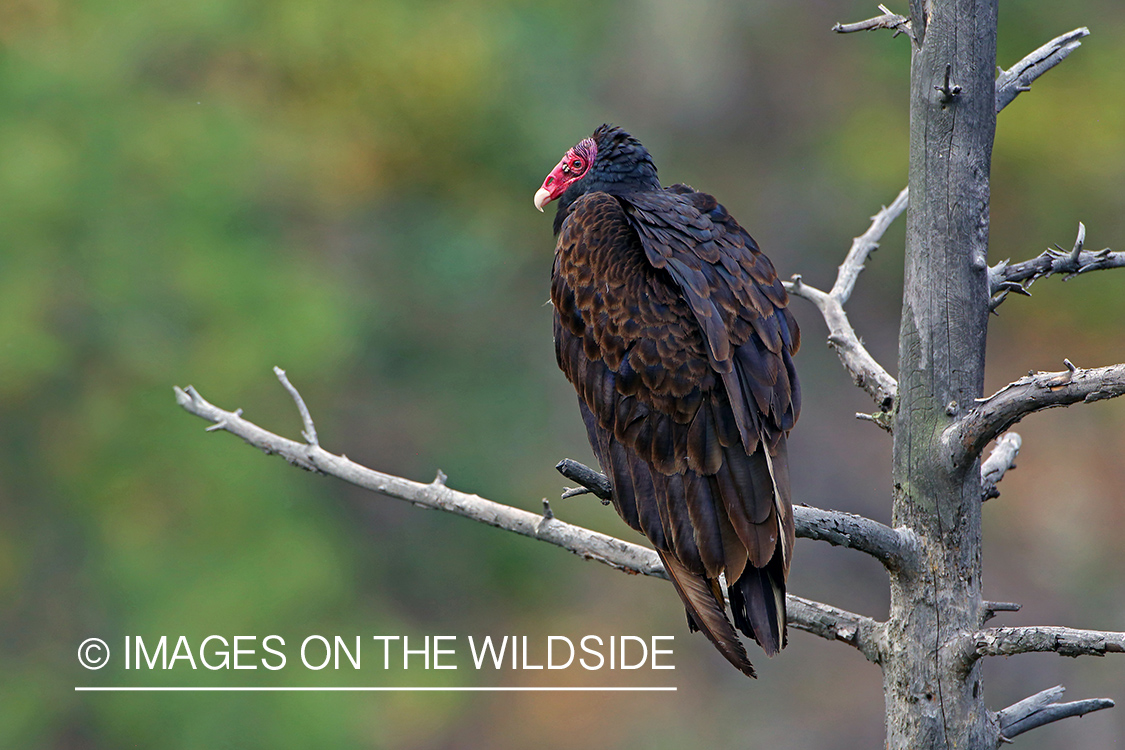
[(930, 648)]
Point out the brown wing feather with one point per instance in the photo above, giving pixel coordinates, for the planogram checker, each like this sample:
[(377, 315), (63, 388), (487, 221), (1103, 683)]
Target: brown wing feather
[(672, 327), (720, 269)]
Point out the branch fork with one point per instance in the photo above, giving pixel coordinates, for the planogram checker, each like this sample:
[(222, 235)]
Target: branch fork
[(867, 373), (1043, 708)]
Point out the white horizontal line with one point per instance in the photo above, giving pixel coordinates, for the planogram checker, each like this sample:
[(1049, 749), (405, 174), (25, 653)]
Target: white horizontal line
[(367, 689)]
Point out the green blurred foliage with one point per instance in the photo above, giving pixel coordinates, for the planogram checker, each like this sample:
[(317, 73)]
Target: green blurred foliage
[(195, 192)]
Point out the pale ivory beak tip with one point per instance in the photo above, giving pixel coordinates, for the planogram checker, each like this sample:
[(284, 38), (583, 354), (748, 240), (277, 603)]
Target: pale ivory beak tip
[(542, 197)]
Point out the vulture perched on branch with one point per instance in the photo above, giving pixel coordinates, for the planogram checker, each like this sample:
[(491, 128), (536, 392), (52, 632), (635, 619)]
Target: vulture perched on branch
[(673, 327)]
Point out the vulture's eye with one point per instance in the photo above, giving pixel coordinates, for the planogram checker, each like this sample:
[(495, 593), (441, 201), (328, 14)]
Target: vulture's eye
[(576, 165)]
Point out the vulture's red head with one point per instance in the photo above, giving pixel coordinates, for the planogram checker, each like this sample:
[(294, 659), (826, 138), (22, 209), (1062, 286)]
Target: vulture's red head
[(610, 160), (573, 167)]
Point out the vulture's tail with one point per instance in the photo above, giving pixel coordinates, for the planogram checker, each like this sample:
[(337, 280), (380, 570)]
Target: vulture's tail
[(706, 612), (757, 601)]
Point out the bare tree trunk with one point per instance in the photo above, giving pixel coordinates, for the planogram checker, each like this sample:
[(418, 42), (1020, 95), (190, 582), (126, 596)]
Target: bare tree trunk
[(934, 699)]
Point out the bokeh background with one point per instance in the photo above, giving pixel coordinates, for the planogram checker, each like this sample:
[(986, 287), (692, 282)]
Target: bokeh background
[(196, 192)]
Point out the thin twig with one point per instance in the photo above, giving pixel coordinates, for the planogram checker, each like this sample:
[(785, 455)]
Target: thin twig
[(948, 92), (882, 419), (306, 418), (897, 549), (991, 608), (1007, 277), (820, 619), (1043, 708), (1002, 458), (865, 244), (1079, 241), (968, 436)]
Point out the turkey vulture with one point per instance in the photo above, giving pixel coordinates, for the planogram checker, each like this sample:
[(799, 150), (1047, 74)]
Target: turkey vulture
[(673, 327)]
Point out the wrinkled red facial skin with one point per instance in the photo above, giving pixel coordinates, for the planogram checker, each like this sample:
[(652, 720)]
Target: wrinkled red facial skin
[(573, 166)]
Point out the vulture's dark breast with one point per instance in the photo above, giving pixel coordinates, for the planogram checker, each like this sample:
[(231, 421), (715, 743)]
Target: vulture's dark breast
[(673, 328)]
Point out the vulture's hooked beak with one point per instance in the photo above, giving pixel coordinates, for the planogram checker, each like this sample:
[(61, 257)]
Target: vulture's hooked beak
[(542, 198)]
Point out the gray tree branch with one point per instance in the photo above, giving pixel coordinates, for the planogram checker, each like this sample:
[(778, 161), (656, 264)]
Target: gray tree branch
[(1017, 79), (889, 20), (1007, 277), (592, 481), (867, 373), (1025, 640), (897, 548), (862, 633), (968, 436), (1043, 708)]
